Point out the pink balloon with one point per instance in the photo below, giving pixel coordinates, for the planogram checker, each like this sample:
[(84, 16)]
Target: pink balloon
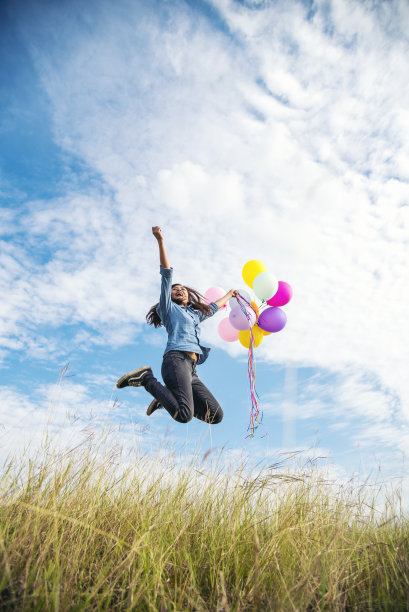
[(213, 294), (227, 331), (282, 296), (239, 320)]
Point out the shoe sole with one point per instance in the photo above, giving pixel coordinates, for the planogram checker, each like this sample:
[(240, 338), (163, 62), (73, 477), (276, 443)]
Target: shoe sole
[(150, 407), (124, 380)]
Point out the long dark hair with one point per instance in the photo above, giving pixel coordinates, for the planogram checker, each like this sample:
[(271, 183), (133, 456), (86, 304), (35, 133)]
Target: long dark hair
[(196, 301)]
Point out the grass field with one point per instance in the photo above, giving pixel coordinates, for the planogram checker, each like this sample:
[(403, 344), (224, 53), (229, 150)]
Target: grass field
[(77, 534)]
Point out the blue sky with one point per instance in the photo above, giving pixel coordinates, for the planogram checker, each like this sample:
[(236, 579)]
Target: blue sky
[(247, 130)]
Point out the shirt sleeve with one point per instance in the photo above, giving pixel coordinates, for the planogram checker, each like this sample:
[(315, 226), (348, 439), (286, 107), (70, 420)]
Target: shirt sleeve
[(203, 316), (165, 289)]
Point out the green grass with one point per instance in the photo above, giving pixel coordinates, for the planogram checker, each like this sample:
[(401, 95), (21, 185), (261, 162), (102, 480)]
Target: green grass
[(76, 534)]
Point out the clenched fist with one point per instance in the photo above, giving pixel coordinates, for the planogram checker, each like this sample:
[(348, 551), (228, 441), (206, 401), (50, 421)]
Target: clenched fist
[(157, 232)]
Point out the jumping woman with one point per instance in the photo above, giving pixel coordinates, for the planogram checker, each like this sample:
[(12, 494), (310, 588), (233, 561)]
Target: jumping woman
[(180, 309)]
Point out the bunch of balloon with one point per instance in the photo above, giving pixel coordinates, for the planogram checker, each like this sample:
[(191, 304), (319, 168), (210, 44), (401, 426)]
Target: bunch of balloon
[(249, 322)]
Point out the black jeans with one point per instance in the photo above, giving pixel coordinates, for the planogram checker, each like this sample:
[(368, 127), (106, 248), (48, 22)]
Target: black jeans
[(184, 395)]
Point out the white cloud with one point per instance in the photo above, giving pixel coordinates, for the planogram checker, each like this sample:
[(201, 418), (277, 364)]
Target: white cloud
[(64, 415), (188, 187)]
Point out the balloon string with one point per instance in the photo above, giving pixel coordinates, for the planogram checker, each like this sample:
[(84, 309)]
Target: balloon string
[(255, 412)]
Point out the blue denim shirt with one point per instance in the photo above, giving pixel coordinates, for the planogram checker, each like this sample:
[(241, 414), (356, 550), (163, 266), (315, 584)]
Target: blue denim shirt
[(181, 322)]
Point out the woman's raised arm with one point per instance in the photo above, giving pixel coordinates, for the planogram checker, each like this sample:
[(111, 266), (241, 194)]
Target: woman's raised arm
[(157, 232)]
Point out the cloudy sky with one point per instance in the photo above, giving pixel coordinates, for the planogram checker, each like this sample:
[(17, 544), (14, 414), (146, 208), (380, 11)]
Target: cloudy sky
[(246, 129)]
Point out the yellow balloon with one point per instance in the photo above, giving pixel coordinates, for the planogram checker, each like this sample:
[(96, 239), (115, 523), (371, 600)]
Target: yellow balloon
[(252, 269), (265, 333), (244, 336)]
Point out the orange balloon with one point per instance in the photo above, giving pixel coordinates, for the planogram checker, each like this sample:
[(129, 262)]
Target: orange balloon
[(255, 308)]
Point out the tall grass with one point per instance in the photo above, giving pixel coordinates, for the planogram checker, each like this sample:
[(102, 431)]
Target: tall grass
[(77, 534)]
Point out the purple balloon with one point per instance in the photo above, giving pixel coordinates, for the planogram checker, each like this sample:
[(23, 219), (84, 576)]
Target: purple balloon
[(282, 296), (272, 319), (239, 320)]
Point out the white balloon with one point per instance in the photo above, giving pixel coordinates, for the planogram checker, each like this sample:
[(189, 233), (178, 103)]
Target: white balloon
[(265, 285), (233, 301)]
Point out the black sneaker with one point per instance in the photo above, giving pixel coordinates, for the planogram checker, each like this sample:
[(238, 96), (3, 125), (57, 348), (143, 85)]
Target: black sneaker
[(134, 378), (155, 405)]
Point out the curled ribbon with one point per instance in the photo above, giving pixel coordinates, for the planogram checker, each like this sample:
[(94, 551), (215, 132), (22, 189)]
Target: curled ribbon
[(256, 415)]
